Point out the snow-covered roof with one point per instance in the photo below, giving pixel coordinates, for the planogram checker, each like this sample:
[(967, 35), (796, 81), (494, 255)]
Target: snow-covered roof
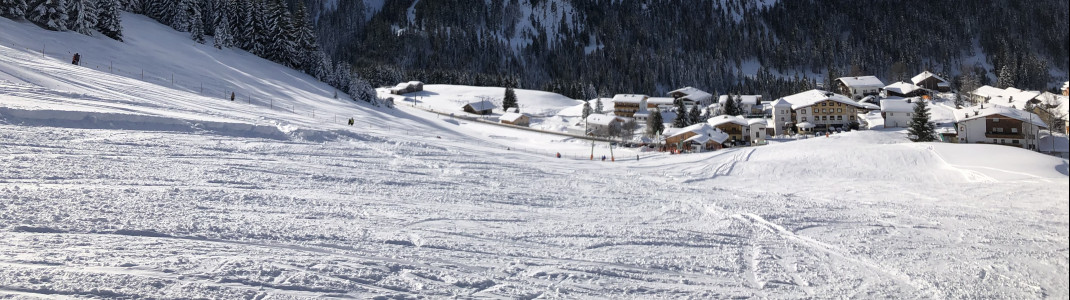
[(1010, 97), (660, 101), (693, 94), (415, 83), (868, 99), (745, 99), (924, 75), (811, 97), (972, 113), (902, 88), (862, 81), (481, 105), (400, 86), (511, 117), (1066, 85), (757, 121), (805, 125), (600, 119), (899, 105), (628, 98), (704, 132), (723, 119)]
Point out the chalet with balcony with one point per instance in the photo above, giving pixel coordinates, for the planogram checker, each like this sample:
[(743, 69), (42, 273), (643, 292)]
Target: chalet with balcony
[(858, 86), (928, 80), (999, 125), (814, 110)]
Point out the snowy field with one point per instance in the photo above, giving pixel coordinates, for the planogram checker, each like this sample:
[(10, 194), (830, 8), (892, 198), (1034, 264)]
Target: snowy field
[(117, 188)]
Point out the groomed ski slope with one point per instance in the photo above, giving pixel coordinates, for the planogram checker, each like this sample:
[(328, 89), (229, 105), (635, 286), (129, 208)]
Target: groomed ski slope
[(115, 187)]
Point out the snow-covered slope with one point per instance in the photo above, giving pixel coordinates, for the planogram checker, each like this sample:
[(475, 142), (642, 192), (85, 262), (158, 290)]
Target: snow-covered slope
[(114, 187)]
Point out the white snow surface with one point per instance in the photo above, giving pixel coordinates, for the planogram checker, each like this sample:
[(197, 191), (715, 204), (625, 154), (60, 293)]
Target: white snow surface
[(114, 187)]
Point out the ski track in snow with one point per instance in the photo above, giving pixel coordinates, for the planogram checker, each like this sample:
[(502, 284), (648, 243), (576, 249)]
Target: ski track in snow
[(192, 202)]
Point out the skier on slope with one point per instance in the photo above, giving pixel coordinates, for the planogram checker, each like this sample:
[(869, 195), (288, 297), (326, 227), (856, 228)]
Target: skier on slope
[(77, 59)]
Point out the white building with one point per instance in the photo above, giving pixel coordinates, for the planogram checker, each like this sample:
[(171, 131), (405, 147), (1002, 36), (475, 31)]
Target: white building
[(692, 96), (603, 125), (898, 112), (1000, 125), (903, 89), (859, 86), (748, 104), (742, 130), (814, 110), (1009, 97)]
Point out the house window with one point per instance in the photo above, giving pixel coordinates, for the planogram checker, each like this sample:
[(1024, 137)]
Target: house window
[(998, 129), (995, 120), (852, 118), (994, 141), (782, 119), (804, 119), (1014, 130), (824, 103), (891, 114), (839, 110), (1002, 141), (802, 111), (840, 118), (1014, 141)]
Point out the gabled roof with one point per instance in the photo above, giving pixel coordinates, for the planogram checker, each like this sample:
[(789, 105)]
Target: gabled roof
[(600, 119), (629, 98), (1010, 97), (723, 119), (703, 133), (902, 88), (899, 104), (972, 113), (745, 99), (861, 81), (926, 75), (660, 101), (511, 117), (812, 97), (481, 105), (758, 121), (693, 94)]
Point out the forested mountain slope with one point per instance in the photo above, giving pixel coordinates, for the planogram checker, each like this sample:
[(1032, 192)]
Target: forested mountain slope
[(652, 46)]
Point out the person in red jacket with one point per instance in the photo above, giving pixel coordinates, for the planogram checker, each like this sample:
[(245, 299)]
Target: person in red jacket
[(77, 59)]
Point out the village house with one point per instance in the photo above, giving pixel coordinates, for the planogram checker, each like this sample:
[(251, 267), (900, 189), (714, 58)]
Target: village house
[(904, 90), (603, 125), (748, 104), (1009, 97), (994, 124), (650, 104), (699, 137), (515, 118), (897, 112), (930, 81), (1053, 109), (407, 87), (481, 107), (742, 131), (859, 86), (692, 96), (626, 105), (814, 110)]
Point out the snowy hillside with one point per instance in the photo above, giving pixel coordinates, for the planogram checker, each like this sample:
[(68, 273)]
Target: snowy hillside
[(116, 187)]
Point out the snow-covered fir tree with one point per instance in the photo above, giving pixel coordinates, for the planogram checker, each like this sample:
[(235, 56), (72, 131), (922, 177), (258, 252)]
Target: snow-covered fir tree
[(598, 106), (681, 119), (82, 16), (280, 31), (586, 109), (196, 26), (306, 41), (134, 6), (361, 90), (182, 14), (730, 106), (13, 8), (921, 130), (510, 99), (259, 39), (694, 116), (655, 125), (109, 21), (52, 14), (223, 38)]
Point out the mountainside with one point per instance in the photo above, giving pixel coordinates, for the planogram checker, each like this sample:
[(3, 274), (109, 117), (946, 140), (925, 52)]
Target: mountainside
[(118, 183), (766, 46)]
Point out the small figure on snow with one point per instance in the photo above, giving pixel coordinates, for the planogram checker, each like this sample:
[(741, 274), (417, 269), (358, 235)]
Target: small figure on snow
[(558, 154), (231, 96), (350, 121), (603, 158), (77, 59)]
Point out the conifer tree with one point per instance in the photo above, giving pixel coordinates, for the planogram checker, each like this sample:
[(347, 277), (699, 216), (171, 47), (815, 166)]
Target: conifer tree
[(109, 21), (655, 124), (510, 99), (14, 9), (730, 107), (681, 119), (586, 109), (223, 38), (921, 130), (361, 90), (183, 12), (52, 14), (694, 116), (598, 109), (196, 26), (82, 16)]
